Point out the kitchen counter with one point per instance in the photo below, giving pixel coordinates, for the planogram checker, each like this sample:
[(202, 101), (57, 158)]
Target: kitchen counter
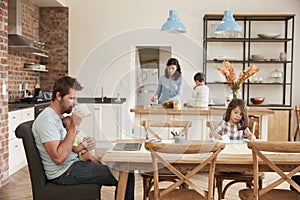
[(106, 100), (21, 105), (212, 110)]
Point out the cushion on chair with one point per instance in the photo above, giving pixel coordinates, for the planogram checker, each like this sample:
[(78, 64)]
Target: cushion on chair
[(280, 194)]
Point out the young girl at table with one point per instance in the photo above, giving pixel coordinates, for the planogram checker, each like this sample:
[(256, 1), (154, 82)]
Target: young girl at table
[(234, 125)]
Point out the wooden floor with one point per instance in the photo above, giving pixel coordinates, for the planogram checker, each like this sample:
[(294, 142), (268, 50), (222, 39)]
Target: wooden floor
[(19, 187)]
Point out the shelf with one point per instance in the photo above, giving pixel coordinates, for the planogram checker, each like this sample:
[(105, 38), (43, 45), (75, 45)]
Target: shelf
[(226, 40), (35, 70), (267, 105), (252, 17), (273, 83), (225, 83), (213, 39), (250, 61)]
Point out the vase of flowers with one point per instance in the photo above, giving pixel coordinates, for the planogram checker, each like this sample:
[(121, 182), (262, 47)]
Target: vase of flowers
[(236, 93), (230, 75)]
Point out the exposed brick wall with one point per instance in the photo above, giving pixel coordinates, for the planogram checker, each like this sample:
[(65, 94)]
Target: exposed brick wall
[(49, 25), (16, 60), (54, 31), (17, 75), (3, 98)]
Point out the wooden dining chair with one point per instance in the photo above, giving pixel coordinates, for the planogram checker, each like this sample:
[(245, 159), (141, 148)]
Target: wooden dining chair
[(254, 125), (157, 129), (163, 156), (260, 151), (234, 177), (175, 125), (297, 132)]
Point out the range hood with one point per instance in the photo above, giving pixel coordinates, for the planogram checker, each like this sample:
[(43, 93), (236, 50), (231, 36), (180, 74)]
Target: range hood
[(16, 41)]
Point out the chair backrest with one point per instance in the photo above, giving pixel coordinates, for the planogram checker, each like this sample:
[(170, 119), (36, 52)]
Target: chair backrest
[(297, 113), (149, 124), (36, 170), (254, 125), (160, 153), (41, 187), (259, 149)]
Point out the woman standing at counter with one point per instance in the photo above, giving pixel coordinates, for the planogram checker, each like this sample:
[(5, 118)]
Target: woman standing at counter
[(170, 86)]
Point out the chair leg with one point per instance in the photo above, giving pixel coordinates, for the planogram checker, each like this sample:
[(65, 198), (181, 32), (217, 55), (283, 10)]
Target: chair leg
[(146, 186), (219, 184), (297, 132), (260, 184)]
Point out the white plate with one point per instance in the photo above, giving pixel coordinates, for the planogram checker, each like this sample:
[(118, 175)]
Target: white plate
[(268, 35), (225, 58)]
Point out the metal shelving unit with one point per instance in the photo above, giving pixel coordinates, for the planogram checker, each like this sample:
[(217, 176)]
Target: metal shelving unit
[(246, 43)]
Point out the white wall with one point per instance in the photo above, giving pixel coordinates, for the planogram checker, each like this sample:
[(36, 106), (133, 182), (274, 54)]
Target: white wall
[(103, 33)]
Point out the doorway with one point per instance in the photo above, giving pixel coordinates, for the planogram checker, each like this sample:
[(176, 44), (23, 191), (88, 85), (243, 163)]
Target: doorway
[(150, 64)]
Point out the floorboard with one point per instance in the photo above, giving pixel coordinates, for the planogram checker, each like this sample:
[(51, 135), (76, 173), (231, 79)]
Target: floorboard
[(19, 187)]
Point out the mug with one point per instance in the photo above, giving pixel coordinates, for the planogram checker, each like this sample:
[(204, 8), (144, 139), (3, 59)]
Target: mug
[(83, 109)]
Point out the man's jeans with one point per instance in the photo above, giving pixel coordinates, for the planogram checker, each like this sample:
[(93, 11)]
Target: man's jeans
[(81, 172)]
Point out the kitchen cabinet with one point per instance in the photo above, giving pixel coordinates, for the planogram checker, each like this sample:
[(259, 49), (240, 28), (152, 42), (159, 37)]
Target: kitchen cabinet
[(105, 123), (139, 131), (262, 41), (280, 125), (17, 158), (198, 117), (198, 130)]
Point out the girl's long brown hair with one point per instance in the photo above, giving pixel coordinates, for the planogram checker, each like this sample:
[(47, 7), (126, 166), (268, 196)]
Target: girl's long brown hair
[(244, 122)]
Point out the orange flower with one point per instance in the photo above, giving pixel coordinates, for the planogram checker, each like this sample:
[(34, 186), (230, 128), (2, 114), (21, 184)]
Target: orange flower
[(230, 75)]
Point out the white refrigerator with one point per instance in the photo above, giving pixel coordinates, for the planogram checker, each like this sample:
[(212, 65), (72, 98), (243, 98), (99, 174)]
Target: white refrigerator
[(147, 85)]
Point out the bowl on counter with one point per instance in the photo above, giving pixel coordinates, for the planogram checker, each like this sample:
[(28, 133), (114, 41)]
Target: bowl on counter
[(257, 100)]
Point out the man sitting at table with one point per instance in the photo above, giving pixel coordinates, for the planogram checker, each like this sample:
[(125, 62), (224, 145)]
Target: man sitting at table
[(55, 143)]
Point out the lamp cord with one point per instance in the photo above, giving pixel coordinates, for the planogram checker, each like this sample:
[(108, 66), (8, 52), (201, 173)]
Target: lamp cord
[(228, 4)]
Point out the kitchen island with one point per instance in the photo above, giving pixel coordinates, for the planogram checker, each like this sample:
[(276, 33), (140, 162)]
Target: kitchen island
[(198, 117)]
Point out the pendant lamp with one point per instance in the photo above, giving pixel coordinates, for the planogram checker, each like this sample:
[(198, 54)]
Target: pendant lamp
[(228, 24), (173, 23)]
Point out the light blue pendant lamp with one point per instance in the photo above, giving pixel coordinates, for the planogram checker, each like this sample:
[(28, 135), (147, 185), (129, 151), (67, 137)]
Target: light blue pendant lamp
[(173, 23), (228, 24)]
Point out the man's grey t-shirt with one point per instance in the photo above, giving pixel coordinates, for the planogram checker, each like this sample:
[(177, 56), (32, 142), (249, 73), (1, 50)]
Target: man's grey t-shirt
[(48, 127)]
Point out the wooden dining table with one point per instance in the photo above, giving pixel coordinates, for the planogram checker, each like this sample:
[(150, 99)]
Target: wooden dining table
[(236, 157)]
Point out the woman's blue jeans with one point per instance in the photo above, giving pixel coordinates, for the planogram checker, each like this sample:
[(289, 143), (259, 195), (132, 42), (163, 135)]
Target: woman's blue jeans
[(81, 172)]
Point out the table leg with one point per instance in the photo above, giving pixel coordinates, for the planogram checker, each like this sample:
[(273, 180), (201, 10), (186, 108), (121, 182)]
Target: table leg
[(123, 177)]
